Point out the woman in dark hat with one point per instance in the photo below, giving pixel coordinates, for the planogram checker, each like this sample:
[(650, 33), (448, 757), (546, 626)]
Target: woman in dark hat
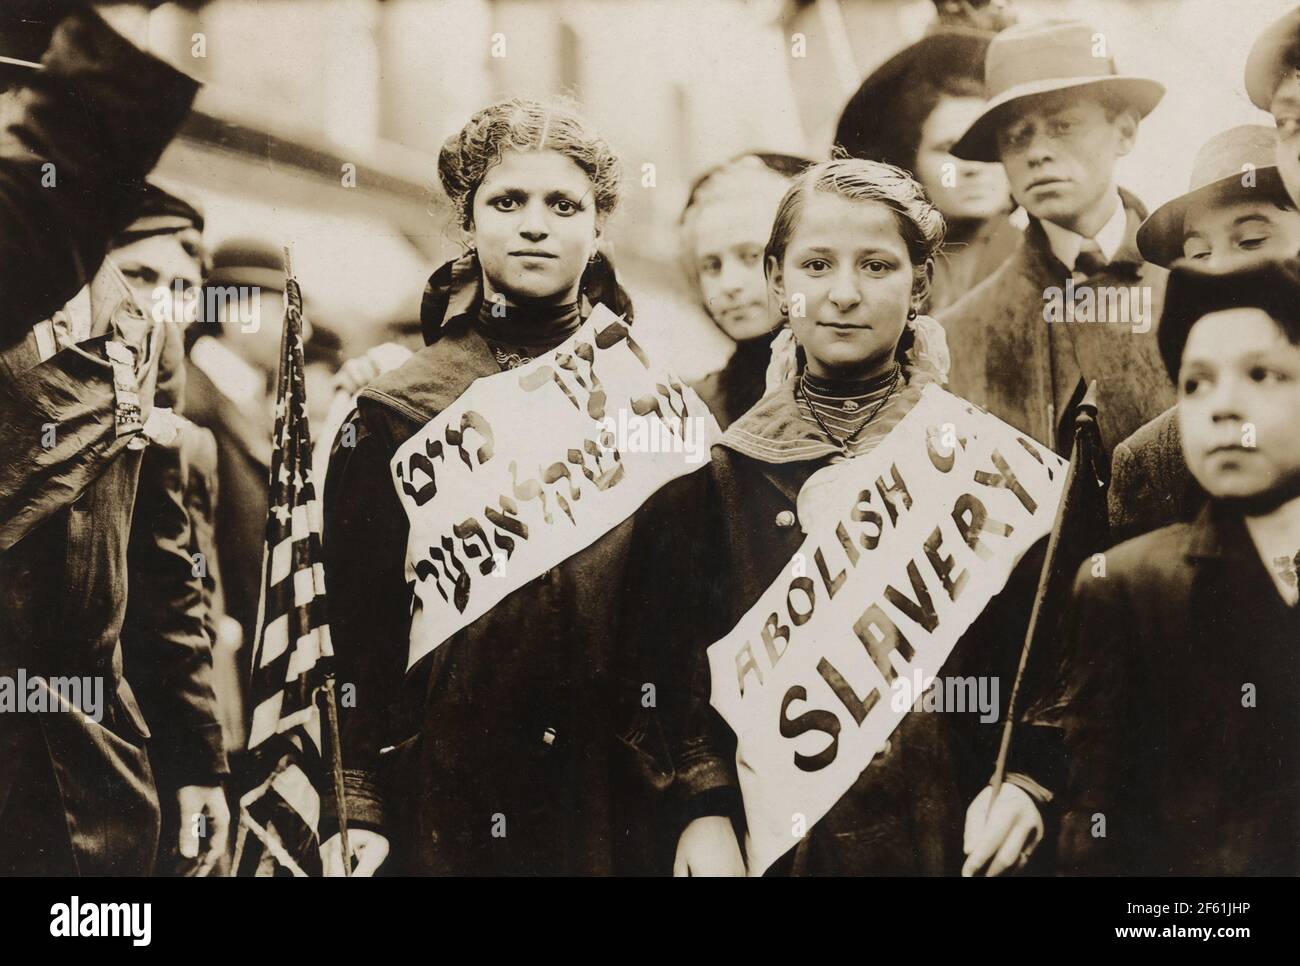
[(724, 227), (520, 744), (909, 113)]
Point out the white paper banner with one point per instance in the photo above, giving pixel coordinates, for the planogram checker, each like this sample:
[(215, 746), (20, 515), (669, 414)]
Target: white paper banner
[(905, 547), (532, 465)]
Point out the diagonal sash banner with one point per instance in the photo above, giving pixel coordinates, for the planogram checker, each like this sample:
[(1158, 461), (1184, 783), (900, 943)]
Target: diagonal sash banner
[(532, 465), (905, 547)]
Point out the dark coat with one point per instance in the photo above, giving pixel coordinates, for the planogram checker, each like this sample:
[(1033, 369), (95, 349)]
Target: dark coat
[(906, 814), (732, 390), (1032, 373), (1158, 735), (532, 712), (101, 113), (243, 475), (959, 268), (1150, 484), (77, 796), (64, 592)]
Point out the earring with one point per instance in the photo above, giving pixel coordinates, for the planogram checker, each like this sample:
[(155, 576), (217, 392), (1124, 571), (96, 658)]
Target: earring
[(785, 308), (911, 315)]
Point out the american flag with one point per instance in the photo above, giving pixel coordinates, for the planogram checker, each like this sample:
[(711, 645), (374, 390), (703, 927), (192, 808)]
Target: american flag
[(292, 658)]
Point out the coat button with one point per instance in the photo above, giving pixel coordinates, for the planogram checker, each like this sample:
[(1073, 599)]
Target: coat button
[(785, 519), (548, 736)]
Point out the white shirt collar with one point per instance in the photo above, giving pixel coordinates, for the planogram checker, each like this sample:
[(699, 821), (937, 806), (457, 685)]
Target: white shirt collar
[(234, 378), (1065, 244)]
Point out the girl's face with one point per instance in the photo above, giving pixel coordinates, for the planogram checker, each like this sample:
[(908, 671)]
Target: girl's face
[(729, 236), (847, 280), (534, 225), (960, 189), (1238, 400)]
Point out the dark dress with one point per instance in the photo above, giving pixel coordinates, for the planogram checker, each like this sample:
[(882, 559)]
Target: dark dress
[(906, 813), (530, 720), (732, 390)]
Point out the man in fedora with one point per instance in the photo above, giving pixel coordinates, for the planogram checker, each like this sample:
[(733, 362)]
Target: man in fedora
[(1273, 83), (1076, 302), (1236, 210)]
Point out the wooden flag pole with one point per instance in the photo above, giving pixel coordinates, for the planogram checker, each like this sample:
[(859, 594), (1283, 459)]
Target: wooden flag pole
[(336, 768), (1087, 413)]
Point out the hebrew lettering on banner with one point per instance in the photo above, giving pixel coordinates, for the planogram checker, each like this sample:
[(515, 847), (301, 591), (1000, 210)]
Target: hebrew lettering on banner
[(523, 471)]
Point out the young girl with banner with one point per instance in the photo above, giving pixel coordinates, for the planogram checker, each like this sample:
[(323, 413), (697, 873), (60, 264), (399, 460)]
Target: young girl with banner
[(500, 725), (859, 531)]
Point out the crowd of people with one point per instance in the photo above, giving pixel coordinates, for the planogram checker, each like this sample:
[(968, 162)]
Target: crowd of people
[(967, 232)]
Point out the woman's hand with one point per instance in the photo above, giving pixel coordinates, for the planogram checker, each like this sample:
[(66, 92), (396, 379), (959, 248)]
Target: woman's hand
[(370, 849), (1005, 837), (708, 847)]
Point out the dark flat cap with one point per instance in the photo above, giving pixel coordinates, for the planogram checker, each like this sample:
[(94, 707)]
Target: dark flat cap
[(1272, 285)]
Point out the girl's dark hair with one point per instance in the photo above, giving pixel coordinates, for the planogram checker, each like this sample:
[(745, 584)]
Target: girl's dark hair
[(522, 124)]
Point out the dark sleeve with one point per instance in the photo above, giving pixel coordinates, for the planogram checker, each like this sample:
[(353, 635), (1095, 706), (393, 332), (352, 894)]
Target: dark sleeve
[(100, 113), (165, 637), (991, 649), (680, 602), (1095, 686), (369, 607)]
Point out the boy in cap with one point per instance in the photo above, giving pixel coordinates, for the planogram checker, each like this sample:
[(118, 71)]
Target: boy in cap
[(1236, 210), (1023, 343), (1176, 699)]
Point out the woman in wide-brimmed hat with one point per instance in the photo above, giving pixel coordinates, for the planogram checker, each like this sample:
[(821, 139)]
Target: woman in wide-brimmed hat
[(909, 112)]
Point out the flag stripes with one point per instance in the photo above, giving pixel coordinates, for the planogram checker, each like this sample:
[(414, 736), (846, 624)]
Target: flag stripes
[(292, 656)]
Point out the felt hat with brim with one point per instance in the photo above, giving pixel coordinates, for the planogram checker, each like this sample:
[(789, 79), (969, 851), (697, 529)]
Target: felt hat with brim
[(865, 126), (1234, 165), (1271, 57), (248, 262), (1029, 60)]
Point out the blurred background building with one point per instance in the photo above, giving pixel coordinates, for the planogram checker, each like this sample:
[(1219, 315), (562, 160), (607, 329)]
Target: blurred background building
[(320, 121)]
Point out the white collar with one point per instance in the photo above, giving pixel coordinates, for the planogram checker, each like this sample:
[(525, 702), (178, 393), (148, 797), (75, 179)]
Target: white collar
[(234, 378), (1065, 244)]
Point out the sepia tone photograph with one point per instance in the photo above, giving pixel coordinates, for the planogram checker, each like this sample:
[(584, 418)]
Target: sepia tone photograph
[(641, 438)]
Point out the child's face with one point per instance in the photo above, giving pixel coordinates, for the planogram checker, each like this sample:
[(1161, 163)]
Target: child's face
[(1059, 152), (534, 226), (849, 262), (960, 189), (729, 236), (1239, 403), (1223, 236)]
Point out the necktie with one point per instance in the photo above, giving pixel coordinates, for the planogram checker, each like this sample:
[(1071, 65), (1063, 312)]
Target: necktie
[(1090, 260)]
